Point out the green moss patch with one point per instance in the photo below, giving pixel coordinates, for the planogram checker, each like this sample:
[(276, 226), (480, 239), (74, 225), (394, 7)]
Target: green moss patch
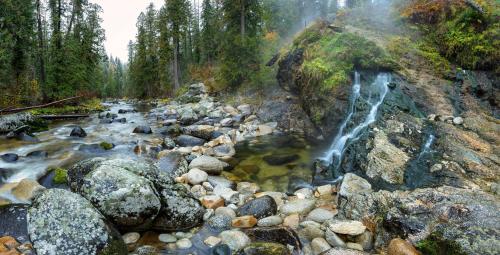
[(60, 175), (435, 244)]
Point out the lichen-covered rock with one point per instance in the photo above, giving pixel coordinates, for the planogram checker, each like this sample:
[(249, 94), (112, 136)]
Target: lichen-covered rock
[(128, 200), (180, 210), (172, 164), (13, 221), (78, 171), (61, 222)]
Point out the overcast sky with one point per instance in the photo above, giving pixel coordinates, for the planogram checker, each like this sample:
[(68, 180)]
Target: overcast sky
[(119, 20)]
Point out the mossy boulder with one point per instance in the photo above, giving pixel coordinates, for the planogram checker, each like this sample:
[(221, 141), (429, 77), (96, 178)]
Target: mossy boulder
[(61, 222)]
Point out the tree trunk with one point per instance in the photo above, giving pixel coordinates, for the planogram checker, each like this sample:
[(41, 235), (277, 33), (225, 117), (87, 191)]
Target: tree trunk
[(41, 54), (242, 19), (176, 64)]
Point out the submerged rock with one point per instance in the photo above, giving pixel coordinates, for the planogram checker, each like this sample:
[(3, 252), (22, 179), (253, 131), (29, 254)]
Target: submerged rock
[(143, 130), (282, 235), (280, 159), (263, 248), (61, 222), (9, 157)]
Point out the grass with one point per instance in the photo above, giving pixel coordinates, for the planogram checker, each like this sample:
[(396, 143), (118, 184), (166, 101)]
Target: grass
[(88, 106)]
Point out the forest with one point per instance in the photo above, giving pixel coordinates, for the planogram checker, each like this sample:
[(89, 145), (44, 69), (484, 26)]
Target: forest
[(54, 49)]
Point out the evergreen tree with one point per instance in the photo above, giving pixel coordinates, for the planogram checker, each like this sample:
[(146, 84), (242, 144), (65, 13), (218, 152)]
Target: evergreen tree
[(177, 12)]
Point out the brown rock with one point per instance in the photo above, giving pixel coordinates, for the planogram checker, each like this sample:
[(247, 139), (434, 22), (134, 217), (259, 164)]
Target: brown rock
[(9, 242), (398, 246), (212, 202), (291, 221), (244, 222)]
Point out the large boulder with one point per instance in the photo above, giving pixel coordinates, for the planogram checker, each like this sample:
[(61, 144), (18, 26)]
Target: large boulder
[(61, 222), (128, 200), (180, 210), (208, 164)]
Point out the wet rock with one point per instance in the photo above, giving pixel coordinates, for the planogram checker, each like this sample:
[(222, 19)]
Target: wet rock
[(333, 239), (78, 132), (142, 130), (184, 244), (244, 222), (236, 240), (353, 184), (321, 215), (168, 143), (120, 120), (225, 211), (260, 207), (167, 238), (26, 190), (212, 201), (282, 235), (220, 222), (386, 161), (221, 249), (229, 195), (9, 157), (91, 148), (399, 246), (37, 154), (270, 221), (180, 210), (61, 222), (189, 141), (212, 241), (280, 159), (128, 200), (172, 164), (196, 176), (343, 251), (319, 245), (365, 240), (131, 237), (13, 221), (299, 206), (208, 164), (23, 136), (263, 248), (124, 111), (347, 227), (204, 132), (224, 151), (106, 121)]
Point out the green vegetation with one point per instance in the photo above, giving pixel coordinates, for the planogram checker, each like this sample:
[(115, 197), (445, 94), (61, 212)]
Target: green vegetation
[(60, 175), (466, 35), (435, 244), (331, 57), (106, 146), (89, 106)]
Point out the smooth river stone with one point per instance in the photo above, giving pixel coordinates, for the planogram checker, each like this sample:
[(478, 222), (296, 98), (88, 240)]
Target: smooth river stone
[(347, 227), (300, 206)]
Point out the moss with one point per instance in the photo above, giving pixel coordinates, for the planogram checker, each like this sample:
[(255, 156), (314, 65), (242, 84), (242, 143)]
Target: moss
[(435, 244), (330, 60), (60, 175), (89, 106), (106, 146)]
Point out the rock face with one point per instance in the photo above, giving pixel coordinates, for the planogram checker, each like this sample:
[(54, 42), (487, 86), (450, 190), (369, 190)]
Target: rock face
[(462, 218), (61, 222), (386, 161), (128, 200), (180, 210), (259, 208)]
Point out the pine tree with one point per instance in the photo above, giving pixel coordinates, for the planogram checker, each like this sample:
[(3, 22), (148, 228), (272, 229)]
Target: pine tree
[(177, 13)]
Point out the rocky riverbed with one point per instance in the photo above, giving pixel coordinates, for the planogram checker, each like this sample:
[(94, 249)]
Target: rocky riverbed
[(185, 187)]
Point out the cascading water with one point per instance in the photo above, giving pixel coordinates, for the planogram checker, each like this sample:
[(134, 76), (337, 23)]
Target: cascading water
[(380, 86), (427, 146)]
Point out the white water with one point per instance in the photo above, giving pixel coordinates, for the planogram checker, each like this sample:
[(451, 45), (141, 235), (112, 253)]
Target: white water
[(427, 147), (337, 149)]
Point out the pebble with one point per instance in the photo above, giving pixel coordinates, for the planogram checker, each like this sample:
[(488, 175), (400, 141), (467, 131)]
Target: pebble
[(321, 215), (319, 245), (207, 186), (236, 240), (198, 191), (212, 241), (167, 238), (184, 244), (291, 221), (130, 238), (225, 211), (212, 201), (399, 246), (458, 121), (196, 176), (347, 227), (270, 221), (244, 222), (300, 206)]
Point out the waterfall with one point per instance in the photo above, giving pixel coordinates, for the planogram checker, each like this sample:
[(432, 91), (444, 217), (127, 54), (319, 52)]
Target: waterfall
[(340, 142), (427, 146)]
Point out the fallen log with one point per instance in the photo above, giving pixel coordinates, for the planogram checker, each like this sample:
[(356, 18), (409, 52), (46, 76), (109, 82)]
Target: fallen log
[(37, 106), (63, 117)]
